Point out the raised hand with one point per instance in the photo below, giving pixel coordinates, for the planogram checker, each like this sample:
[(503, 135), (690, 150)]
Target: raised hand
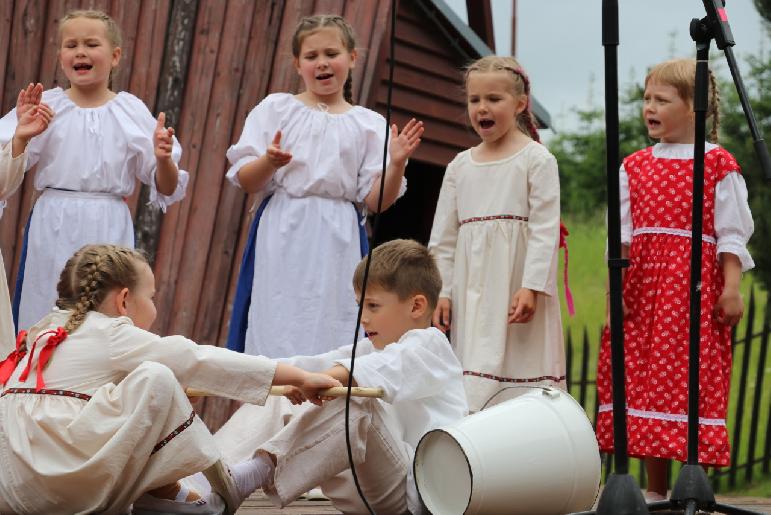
[(162, 138), (403, 144), (33, 116), (276, 156)]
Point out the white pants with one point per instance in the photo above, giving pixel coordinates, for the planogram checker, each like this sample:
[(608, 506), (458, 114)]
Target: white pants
[(309, 445)]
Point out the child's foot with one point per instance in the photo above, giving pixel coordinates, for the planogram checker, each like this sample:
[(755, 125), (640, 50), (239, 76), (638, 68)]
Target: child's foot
[(315, 494), (253, 474), (651, 496)]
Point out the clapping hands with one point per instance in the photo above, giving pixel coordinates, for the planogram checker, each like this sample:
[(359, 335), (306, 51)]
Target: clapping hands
[(403, 144)]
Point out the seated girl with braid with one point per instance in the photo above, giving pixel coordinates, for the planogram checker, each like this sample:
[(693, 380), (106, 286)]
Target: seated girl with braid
[(93, 412)]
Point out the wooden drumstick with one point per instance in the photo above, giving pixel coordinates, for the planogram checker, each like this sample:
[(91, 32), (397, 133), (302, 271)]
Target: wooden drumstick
[(337, 391)]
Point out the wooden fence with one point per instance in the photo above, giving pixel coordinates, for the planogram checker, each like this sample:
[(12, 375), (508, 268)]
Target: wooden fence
[(749, 409)]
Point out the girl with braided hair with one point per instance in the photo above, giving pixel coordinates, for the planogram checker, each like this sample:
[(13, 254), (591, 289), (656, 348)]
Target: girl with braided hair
[(495, 237), (317, 159), (656, 194), (93, 414)]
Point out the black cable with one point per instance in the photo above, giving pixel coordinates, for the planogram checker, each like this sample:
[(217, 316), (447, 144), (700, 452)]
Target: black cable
[(375, 227)]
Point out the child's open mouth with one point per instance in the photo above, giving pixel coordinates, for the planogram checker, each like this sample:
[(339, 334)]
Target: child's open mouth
[(82, 67), (324, 76), (486, 124), (653, 123)]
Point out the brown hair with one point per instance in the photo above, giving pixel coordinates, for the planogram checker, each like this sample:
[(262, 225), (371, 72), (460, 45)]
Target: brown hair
[(90, 274), (681, 75), (310, 24), (403, 267), (526, 121), (111, 29)]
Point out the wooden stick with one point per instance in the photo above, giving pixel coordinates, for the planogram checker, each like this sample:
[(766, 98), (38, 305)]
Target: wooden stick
[(337, 391)]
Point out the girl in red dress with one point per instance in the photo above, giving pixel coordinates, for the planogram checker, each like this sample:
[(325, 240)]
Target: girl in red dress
[(656, 195)]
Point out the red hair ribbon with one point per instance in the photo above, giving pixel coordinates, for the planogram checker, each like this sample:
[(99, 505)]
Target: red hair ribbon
[(58, 335), (8, 365), (564, 245)]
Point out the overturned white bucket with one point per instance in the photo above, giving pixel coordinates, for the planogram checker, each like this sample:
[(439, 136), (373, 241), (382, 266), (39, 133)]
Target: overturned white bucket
[(535, 454)]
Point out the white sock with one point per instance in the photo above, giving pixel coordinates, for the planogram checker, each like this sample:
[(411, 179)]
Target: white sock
[(252, 474)]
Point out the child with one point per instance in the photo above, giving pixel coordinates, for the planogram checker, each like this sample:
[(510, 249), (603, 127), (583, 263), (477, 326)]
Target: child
[(34, 117), (106, 419), (315, 156), (404, 355), (495, 238), (655, 234), (87, 160)]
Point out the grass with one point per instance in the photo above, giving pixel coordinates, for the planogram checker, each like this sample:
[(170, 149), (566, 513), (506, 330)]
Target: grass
[(588, 273)]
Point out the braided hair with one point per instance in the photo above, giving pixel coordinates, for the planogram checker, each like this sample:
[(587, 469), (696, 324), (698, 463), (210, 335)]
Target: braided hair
[(310, 24), (91, 273), (526, 121), (111, 28), (681, 75)]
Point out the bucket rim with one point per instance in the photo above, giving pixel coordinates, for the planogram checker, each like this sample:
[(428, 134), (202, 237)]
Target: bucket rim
[(415, 466)]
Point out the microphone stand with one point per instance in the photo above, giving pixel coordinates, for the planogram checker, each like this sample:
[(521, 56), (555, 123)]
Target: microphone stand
[(692, 490)]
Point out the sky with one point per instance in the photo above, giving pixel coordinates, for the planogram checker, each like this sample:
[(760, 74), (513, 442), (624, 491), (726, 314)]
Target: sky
[(567, 71)]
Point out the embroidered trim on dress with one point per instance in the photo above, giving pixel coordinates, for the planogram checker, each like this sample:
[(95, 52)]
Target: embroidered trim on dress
[(669, 417), (44, 391), (187, 423), (674, 232), (493, 217), (512, 379)]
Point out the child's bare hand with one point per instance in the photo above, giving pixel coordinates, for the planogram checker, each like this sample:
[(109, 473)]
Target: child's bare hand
[(442, 318), (730, 307), (294, 394), (314, 383), (522, 306), (276, 156), (403, 144), (33, 116), (162, 138)]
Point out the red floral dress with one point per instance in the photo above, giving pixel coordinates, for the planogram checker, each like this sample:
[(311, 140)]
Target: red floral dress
[(656, 292)]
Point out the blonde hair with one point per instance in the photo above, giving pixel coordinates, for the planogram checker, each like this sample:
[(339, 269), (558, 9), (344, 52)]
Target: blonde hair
[(520, 85), (111, 29), (91, 273), (310, 24), (404, 267), (681, 75)]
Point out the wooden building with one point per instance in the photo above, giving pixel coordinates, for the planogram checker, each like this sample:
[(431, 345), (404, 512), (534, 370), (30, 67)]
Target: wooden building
[(207, 63)]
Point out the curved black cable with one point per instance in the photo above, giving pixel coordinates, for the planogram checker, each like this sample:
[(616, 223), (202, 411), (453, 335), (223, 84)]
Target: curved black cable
[(375, 227)]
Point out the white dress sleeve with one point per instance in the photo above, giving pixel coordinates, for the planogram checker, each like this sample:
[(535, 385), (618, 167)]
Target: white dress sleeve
[(139, 125), (212, 369), (543, 226), (444, 230), (259, 128), (11, 172), (416, 367), (733, 219), (372, 165), (625, 207)]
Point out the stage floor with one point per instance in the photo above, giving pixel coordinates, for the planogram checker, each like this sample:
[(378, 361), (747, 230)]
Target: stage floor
[(258, 504)]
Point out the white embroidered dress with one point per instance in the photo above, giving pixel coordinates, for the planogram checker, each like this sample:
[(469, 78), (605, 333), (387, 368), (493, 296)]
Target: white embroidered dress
[(113, 420), (308, 242), (496, 230), (88, 161)]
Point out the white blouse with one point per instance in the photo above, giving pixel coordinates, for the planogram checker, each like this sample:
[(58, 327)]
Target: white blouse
[(733, 219), (101, 149), (333, 155), (11, 173)]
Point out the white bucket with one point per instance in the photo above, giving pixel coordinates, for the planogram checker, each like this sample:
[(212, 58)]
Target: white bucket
[(535, 454)]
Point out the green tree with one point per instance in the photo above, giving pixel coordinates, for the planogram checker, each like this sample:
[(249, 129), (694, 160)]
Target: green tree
[(581, 154)]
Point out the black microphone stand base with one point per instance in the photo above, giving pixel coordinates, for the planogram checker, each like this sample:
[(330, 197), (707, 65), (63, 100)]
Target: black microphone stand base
[(621, 496)]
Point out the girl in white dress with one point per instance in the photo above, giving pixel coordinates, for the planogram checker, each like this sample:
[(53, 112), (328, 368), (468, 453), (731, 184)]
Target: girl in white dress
[(88, 159), (92, 409), (314, 156), (495, 237)]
